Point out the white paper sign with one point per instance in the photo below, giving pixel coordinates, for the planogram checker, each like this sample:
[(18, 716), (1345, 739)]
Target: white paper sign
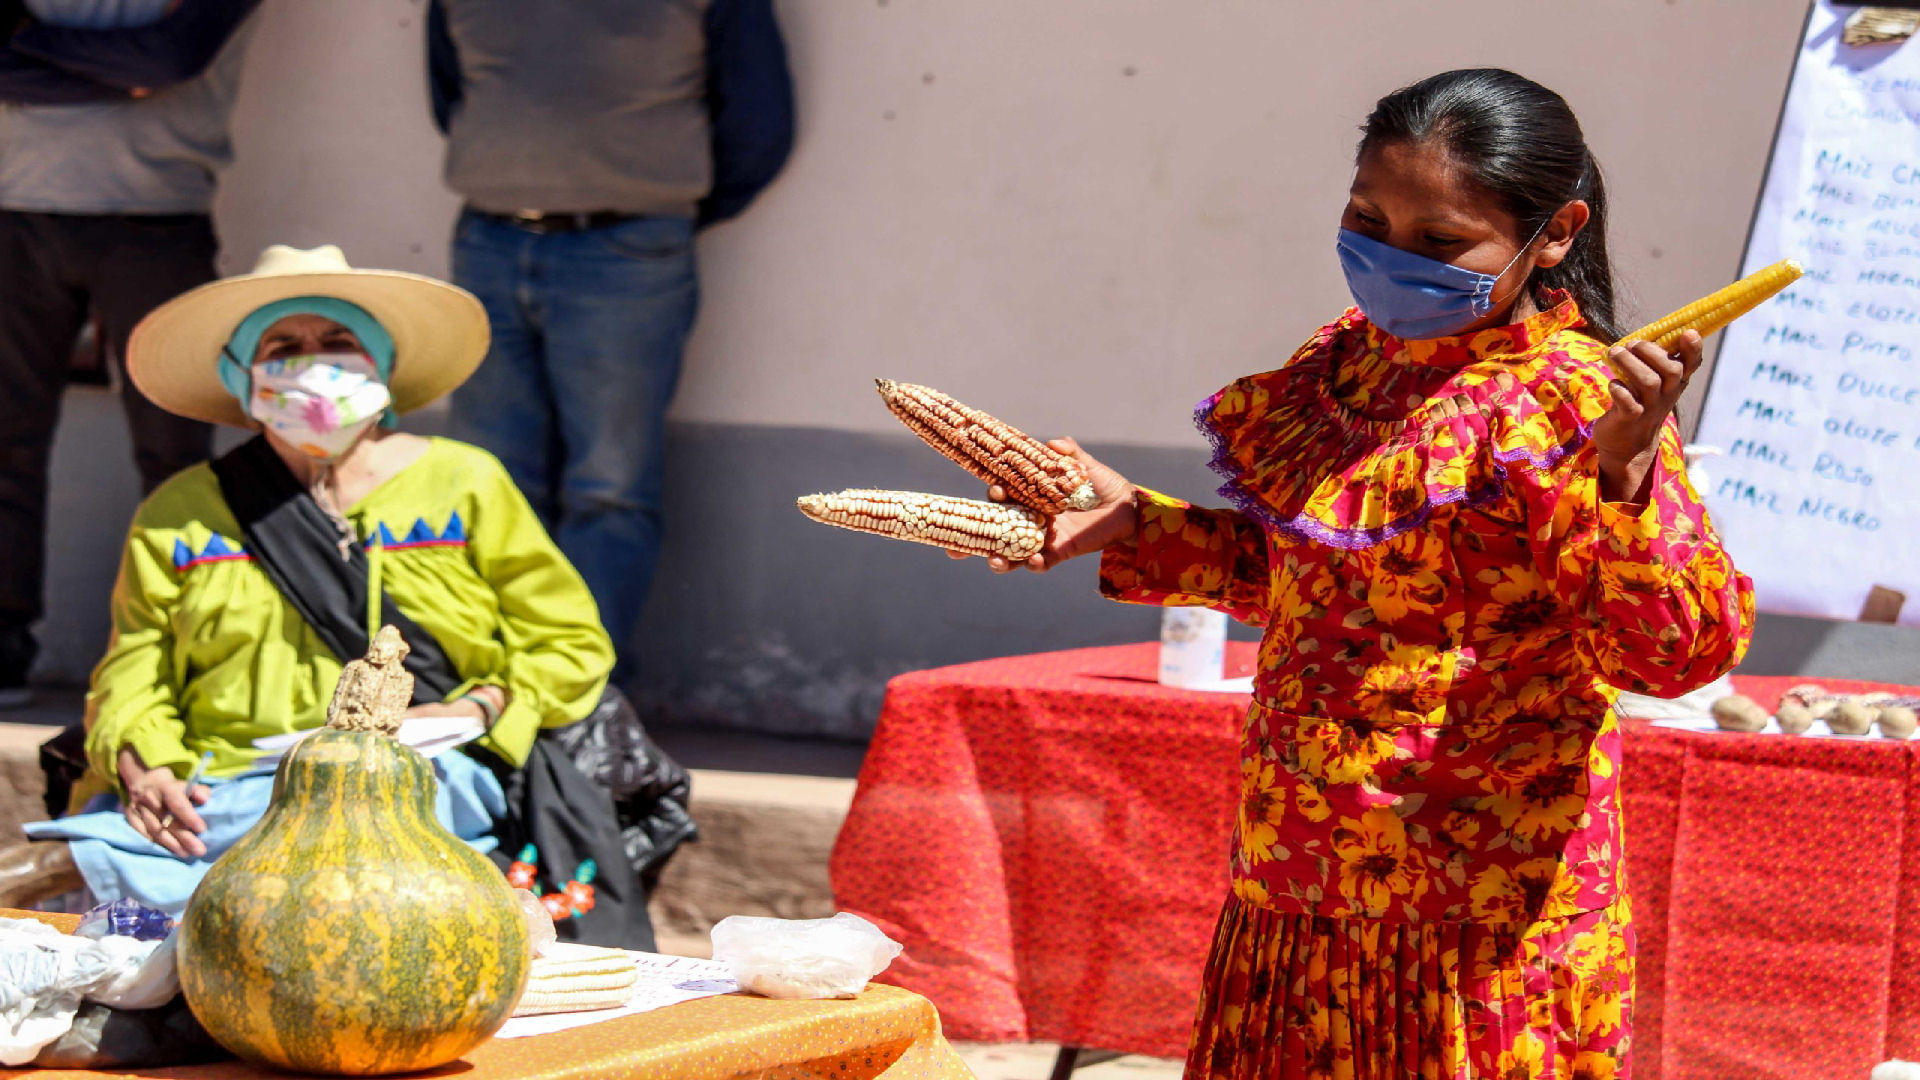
[(1816, 396)]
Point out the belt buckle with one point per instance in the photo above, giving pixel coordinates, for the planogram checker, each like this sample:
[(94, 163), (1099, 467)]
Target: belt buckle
[(531, 220)]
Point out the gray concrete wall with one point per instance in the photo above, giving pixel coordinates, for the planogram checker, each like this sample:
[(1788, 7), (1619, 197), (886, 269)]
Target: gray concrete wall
[(1084, 213)]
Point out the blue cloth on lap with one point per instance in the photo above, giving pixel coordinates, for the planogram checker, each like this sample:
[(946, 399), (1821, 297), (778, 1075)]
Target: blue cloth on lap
[(118, 862)]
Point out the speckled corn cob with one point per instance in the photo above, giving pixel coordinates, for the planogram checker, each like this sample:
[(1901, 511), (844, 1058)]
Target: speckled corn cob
[(1033, 473), (1014, 533), (1716, 311)]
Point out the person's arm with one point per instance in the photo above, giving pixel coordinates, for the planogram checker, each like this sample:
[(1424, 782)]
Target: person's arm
[(26, 81), (444, 88), (1662, 611), (177, 48), (749, 104), (1185, 556), (132, 701), (558, 655)]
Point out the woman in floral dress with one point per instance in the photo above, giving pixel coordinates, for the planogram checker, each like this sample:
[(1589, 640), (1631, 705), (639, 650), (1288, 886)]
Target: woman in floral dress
[(1465, 525)]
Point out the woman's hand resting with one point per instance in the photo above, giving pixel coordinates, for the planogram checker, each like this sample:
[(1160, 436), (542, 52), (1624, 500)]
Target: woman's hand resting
[(160, 806), (461, 706), (1078, 532)]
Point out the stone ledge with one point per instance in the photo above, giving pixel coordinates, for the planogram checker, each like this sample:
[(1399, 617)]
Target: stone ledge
[(21, 781), (763, 850)]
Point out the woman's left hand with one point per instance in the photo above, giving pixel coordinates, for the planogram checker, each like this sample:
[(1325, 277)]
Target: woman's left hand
[(462, 706), (1647, 384)]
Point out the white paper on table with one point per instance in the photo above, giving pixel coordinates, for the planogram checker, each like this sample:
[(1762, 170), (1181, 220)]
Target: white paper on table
[(664, 980), (430, 735), (1241, 685), (1819, 730)]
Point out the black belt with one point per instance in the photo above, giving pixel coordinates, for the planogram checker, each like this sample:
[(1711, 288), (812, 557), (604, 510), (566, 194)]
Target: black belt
[(536, 222)]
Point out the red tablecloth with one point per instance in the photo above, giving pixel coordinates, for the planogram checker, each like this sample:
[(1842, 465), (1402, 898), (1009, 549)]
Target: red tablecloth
[(1048, 835)]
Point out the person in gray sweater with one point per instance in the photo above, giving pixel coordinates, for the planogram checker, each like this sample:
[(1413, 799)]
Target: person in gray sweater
[(113, 123), (590, 139)]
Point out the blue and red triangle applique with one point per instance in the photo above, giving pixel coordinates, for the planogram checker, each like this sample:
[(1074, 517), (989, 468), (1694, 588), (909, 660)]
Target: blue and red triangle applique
[(423, 535), (220, 549)]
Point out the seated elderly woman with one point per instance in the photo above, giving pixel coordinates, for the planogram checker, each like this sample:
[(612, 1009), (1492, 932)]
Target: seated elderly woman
[(246, 583)]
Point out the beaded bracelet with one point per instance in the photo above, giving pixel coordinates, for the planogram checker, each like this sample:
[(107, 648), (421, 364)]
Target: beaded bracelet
[(487, 707)]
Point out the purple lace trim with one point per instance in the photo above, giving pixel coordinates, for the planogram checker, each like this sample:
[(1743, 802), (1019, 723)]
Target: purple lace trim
[(1303, 527)]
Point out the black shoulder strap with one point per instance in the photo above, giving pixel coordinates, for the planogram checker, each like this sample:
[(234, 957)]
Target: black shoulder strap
[(298, 547)]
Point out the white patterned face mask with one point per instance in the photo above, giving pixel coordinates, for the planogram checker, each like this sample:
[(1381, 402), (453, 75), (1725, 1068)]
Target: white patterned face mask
[(321, 404)]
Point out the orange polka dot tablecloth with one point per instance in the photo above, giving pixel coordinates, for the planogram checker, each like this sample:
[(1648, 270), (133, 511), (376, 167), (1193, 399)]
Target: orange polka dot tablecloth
[(885, 1032), (1048, 836)]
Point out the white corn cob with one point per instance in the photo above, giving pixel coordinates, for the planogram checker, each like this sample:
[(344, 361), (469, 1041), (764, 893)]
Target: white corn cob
[(1012, 532)]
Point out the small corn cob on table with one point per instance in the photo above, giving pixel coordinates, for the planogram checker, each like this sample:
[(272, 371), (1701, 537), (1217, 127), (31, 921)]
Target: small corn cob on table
[(1034, 474), (1716, 311), (1014, 533)]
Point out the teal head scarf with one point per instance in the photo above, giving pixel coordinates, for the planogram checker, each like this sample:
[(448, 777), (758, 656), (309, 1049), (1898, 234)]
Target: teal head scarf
[(236, 360)]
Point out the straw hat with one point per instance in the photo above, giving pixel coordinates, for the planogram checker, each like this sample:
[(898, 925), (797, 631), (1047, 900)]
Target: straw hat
[(439, 331)]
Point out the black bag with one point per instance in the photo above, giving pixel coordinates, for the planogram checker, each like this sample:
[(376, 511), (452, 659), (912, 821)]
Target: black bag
[(107, 1038), (596, 789), (63, 759), (623, 805), (650, 790)]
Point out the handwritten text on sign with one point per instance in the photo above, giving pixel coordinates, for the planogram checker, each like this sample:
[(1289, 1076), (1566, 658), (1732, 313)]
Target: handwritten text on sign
[(1816, 399)]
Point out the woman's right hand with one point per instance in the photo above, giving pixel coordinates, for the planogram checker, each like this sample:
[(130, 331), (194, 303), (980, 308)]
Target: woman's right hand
[(1073, 533), (156, 796)]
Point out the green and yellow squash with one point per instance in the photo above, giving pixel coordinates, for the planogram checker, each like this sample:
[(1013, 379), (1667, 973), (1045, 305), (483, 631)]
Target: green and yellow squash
[(349, 932)]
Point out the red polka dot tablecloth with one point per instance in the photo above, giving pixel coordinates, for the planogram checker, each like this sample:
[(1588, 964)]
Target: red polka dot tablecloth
[(1048, 836)]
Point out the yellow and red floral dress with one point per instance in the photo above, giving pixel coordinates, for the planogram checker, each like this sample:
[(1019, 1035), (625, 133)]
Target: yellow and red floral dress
[(1427, 873)]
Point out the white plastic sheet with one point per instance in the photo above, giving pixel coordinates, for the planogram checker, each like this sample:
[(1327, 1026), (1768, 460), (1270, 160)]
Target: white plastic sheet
[(45, 975)]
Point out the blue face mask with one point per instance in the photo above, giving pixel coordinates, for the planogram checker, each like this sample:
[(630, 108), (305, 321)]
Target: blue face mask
[(1411, 296)]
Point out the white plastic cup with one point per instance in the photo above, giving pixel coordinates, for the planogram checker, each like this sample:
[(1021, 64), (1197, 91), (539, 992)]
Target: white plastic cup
[(1193, 647)]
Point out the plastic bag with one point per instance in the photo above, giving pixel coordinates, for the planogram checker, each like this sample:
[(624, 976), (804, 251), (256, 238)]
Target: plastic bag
[(145, 974), (125, 918), (46, 975), (803, 958), (540, 932)]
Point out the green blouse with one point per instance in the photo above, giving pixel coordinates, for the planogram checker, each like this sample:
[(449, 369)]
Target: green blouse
[(207, 655)]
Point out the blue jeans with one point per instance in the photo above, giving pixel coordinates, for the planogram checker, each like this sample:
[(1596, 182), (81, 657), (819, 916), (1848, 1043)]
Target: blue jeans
[(588, 332)]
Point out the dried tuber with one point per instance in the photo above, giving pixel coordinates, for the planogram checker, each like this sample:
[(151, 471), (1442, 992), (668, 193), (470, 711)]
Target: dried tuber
[(1739, 713), (1851, 718), (1795, 719)]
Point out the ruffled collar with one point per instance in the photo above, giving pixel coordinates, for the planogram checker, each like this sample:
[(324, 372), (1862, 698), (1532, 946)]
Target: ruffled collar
[(1561, 313), (1362, 435)]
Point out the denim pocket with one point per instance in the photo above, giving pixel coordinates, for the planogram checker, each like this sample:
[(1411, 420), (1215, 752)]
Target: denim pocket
[(648, 238)]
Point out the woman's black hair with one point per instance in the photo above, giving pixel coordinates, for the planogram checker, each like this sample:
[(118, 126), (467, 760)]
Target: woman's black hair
[(1520, 143)]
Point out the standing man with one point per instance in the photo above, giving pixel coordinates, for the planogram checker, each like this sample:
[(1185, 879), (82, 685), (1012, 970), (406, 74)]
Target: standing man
[(109, 142), (590, 138)]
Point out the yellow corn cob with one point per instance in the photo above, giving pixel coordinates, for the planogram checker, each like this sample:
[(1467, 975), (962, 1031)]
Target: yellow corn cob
[(1716, 311), (971, 525), (1033, 473)]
